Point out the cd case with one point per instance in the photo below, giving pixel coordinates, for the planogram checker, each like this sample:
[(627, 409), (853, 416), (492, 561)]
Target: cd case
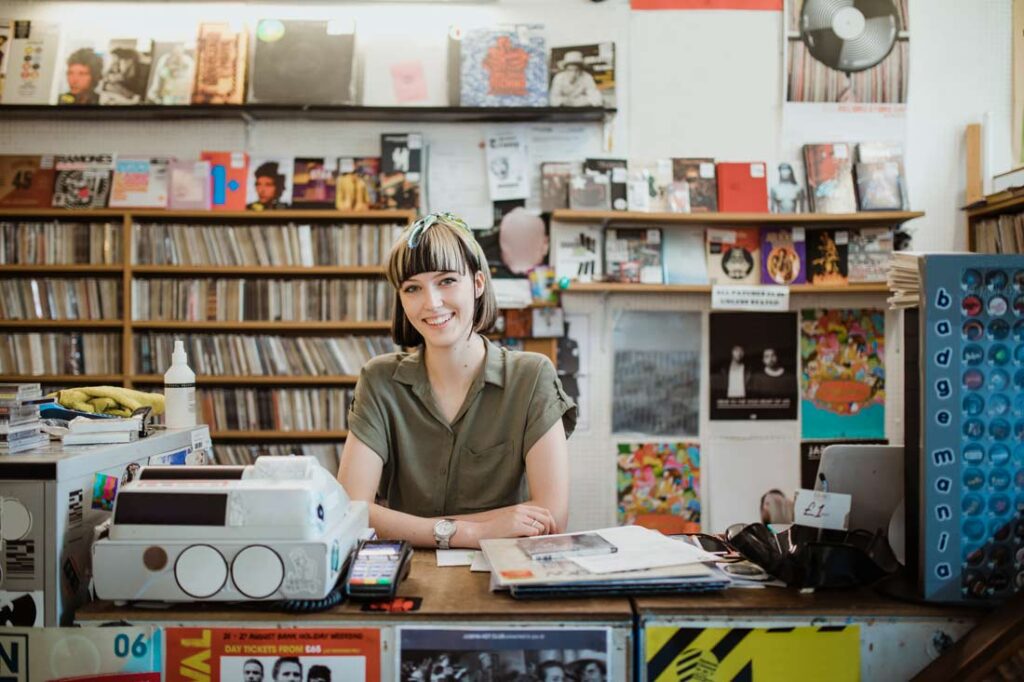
[(552, 547)]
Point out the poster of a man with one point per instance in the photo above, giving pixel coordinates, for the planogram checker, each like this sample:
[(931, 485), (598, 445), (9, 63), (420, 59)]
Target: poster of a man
[(269, 186), (753, 366), (572, 85), (84, 70)]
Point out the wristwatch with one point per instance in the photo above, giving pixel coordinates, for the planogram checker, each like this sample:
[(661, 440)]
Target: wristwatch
[(444, 529)]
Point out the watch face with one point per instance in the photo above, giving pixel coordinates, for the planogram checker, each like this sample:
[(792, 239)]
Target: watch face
[(444, 528)]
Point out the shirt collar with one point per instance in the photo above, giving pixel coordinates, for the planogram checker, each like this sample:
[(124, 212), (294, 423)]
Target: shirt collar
[(413, 372)]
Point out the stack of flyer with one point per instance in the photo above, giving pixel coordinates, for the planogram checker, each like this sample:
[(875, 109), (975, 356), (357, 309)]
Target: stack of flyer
[(86, 431), (624, 560), (20, 428)]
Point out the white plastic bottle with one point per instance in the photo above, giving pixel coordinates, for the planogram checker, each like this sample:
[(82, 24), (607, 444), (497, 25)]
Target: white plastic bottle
[(180, 390)]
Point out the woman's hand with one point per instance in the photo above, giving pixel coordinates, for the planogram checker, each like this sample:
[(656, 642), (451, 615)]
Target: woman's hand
[(521, 520)]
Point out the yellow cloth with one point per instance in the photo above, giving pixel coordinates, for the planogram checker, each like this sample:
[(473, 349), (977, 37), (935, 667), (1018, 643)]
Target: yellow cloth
[(109, 400)]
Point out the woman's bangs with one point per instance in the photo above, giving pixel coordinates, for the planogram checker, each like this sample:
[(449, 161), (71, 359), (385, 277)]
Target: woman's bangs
[(439, 250)]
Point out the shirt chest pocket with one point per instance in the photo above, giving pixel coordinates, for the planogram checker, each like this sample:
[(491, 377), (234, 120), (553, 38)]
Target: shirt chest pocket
[(488, 477)]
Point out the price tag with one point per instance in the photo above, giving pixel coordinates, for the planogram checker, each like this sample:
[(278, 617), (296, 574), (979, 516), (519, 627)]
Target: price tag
[(818, 509)]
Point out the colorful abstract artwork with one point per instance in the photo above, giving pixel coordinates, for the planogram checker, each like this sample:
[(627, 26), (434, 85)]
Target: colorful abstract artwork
[(659, 486)]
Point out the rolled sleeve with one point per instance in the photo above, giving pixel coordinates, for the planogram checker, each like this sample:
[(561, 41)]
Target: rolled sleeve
[(548, 403), (366, 418)]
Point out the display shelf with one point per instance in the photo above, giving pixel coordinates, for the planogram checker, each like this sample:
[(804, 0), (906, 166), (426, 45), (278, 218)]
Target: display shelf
[(310, 112), (277, 381), (64, 378), (278, 435), (861, 219), (629, 288), (262, 326), (48, 270), (61, 324), (261, 270), (1011, 205)]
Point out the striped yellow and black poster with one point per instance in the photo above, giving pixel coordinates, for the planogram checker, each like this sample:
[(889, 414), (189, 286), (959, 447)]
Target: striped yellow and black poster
[(674, 654)]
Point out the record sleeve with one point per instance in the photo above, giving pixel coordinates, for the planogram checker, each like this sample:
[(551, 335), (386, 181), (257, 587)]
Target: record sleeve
[(828, 252), (699, 176), (734, 255), (140, 183), (742, 187), (830, 178), (220, 64), (82, 181), (784, 256), (582, 76), (302, 62), (634, 254), (26, 181), (504, 67)]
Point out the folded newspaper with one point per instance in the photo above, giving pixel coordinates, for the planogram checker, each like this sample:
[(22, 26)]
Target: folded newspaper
[(645, 561)]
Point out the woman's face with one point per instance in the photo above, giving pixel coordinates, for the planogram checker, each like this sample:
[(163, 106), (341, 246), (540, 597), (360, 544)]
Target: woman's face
[(440, 305)]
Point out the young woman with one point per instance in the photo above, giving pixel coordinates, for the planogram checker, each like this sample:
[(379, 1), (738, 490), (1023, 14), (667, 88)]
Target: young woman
[(460, 440)]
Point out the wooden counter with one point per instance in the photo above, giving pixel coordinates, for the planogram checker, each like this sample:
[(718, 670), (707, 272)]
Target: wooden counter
[(449, 594)]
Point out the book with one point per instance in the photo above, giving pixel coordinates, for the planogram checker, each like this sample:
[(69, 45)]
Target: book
[(100, 437), (503, 67), (82, 425), (734, 255), (507, 166), (786, 191), (577, 251), (314, 182), (220, 64), (879, 186), (30, 73), (685, 260), (830, 178), (401, 166), (404, 70), (82, 181), (582, 76), (648, 184), (125, 72), (172, 73), (827, 253), (868, 254), (140, 183), (634, 254), (888, 152), (784, 255), (6, 35), (358, 184), (189, 186), (699, 176), (555, 177), (269, 186), (228, 171), (742, 187), (615, 170), (590, 192), (302, 62), (26, 181), (551, 547)]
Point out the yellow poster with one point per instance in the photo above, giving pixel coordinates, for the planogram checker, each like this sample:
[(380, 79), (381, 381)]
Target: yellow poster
[(674, 654)]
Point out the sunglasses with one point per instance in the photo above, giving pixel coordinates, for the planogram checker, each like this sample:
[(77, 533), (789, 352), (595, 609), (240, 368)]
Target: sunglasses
[(427, 221)]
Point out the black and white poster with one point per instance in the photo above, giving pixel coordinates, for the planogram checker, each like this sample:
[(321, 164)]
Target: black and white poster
[(753, 366), (512, 654)]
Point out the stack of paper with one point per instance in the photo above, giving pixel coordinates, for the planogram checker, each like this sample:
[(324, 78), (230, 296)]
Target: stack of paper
[(85, 431), (643, 561)]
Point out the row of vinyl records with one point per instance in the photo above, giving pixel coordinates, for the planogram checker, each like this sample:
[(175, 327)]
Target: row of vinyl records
[(812, 81), (260, 355), (38, 353), (280, 409), (329, 454), (272, 245), (295, 300), (1002, 234), (60, 243), (287, 61), (60, 299)]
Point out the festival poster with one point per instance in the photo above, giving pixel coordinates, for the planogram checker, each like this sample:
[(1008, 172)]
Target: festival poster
[(121, 653), (510, 654), (311, 654), (659, 486), (842, 380), (828, 652)]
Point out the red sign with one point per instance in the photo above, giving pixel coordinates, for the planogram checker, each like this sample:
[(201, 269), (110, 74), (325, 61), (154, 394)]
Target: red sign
[(770, 5), (208, 654)]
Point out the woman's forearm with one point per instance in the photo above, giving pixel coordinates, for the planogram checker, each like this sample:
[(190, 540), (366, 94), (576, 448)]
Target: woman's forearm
[(419, 531)]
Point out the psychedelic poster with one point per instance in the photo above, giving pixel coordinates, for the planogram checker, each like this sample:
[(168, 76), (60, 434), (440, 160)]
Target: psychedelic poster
[(842, 382), (659, 486)]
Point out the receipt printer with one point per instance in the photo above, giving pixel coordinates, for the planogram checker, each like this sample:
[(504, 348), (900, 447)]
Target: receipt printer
[(277, 529)]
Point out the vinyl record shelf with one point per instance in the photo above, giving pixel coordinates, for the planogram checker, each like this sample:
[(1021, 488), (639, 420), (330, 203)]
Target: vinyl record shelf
[(128, 272), (990, 210)]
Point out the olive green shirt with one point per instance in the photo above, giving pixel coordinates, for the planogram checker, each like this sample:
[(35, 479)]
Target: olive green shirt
[(478, 461)]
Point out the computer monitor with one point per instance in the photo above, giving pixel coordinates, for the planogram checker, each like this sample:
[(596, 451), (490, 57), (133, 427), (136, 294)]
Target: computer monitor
[(871, 474)]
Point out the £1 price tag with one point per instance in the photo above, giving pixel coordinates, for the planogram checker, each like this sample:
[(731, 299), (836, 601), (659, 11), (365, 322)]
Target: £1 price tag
[(818, 509)]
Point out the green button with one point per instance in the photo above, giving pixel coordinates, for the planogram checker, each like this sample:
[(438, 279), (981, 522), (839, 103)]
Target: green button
[(383, 581)]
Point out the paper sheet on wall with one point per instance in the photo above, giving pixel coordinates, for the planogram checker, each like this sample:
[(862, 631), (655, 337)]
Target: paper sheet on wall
[(457, 182), (558, 143)]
